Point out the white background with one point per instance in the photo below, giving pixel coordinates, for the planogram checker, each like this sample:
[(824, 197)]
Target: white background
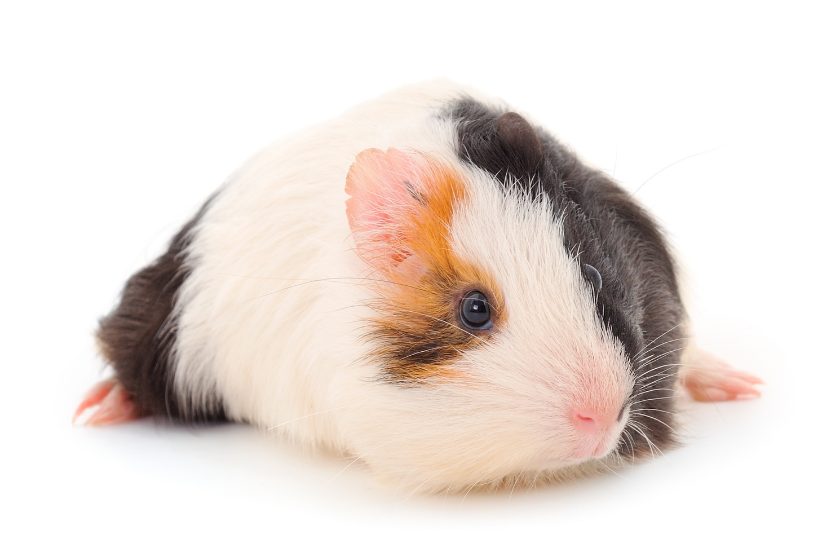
[(116, 123)]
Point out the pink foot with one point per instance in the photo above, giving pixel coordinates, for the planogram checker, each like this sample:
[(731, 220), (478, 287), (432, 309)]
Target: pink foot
[(115, 405), (711, 379)]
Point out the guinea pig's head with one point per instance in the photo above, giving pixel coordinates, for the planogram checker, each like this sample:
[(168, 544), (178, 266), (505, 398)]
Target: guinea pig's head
[(507, 330)]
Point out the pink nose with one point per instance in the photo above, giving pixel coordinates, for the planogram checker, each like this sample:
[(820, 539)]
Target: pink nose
[(588, 422)]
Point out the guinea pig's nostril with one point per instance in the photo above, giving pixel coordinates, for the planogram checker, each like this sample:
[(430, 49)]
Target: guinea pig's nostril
[(621, 413), (585, 423)]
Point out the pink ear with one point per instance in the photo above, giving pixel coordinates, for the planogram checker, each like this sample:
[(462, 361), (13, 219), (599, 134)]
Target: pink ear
[(381, 204)]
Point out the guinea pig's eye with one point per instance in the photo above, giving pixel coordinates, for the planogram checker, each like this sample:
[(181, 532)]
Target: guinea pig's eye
[(475, 311), (594, 276)]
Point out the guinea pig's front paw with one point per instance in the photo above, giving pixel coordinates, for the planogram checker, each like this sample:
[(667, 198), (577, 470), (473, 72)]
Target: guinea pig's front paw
[(708, 378), (115, 405)]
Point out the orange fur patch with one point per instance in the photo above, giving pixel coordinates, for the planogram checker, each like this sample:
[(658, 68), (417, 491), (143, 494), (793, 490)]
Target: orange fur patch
[(417, 329)]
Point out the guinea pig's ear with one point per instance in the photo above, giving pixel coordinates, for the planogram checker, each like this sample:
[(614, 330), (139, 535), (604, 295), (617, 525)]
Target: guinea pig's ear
[(521, 142), (386, 191)]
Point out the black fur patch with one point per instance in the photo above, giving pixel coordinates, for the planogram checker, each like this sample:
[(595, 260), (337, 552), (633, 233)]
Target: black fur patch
[(137, 337), (606, 229), (521, 144)]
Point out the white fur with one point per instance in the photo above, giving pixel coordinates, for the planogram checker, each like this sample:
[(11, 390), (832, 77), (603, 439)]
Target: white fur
[(270, 316)]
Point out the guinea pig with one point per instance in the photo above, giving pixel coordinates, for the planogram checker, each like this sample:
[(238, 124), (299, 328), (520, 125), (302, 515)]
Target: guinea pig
[(429, 283)]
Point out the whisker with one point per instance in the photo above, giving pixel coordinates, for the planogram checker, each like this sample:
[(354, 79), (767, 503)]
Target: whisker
[(603, 464), (360, 456), (427, 350), (515, 481), (660, 356), (652, 382), (662, 344), (661, 453), (308, 415), (654, 410), (648, 377), (419, 487), (340, 280), (533, 484), (660, 421), (663, 366), (633, 401), (658, 378), (651, 399), (445, 323), (655, 339), (669, 166), (468, 493), (634, 426)]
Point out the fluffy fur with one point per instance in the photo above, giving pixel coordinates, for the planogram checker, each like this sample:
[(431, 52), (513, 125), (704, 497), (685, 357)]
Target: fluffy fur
[(336, 322)]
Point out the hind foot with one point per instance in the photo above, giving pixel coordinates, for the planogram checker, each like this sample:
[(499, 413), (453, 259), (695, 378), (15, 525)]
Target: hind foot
[(114, 405), (708, 378)]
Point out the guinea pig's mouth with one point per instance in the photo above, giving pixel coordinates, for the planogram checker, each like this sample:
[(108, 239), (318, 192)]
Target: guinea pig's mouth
[(594, 448), (583, 449), (558, 464)]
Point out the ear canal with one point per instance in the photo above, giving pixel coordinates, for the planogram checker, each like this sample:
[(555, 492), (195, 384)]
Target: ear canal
[(521, 141)]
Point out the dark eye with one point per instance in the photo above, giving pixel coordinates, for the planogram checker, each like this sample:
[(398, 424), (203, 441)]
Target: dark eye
[(475, 311), (594, 276)]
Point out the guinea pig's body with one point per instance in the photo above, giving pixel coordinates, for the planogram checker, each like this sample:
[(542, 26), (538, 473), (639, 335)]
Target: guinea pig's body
[(428, 283)]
